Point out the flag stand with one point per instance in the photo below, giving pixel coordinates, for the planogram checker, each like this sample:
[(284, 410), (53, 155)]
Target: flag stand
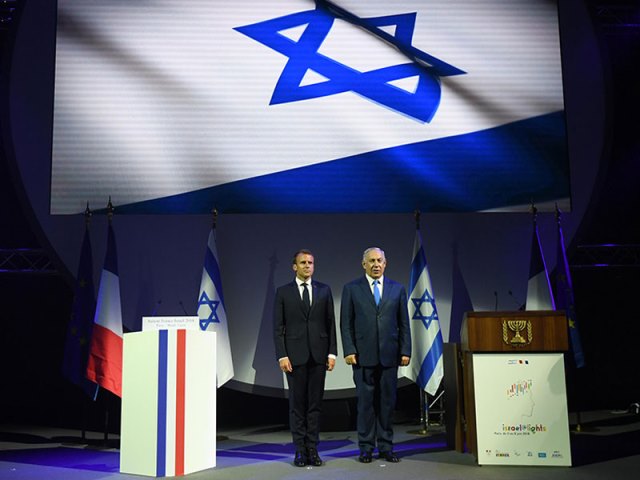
[(426, 410), (106, 422), (83, 431), (424, 413), (578, 423)]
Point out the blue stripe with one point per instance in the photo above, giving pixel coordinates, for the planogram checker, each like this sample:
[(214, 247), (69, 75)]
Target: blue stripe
[(213, 270), (430, 361), (161, 447), (510, 165)]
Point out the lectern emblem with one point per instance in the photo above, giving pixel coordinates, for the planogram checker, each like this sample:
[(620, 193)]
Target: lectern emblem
[(517, 327)]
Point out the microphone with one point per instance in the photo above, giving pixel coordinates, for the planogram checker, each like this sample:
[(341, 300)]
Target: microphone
[(520, 305), (495, 294), (155, 309), (182, 306)]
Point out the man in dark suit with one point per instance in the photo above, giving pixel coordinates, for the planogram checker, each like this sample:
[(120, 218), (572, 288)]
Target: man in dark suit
[(305, 338), (374, 325)]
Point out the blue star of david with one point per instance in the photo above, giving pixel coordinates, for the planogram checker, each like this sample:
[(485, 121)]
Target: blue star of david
[(427, 299), (374, 85), (213, 305)]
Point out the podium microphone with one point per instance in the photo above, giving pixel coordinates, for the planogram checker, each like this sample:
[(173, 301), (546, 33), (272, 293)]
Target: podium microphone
[(520, 305), (182, 306), (495, 293), (155, 309)]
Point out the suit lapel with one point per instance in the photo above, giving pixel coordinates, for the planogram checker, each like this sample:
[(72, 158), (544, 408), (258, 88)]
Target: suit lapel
[(366, 291), (295, 291), (386, 292), (314, 296)]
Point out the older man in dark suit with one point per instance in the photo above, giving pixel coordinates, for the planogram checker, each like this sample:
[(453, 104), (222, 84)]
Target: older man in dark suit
[(376, 339), (305, 339)]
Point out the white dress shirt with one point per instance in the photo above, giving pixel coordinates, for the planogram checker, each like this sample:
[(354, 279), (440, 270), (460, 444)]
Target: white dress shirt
[(380, 283)]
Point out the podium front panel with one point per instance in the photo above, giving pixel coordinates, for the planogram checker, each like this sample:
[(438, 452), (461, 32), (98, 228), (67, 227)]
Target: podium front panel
[(521, 409), (168, 424)]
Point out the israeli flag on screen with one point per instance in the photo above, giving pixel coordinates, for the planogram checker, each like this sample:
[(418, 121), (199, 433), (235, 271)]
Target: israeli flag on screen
[(442, 105)]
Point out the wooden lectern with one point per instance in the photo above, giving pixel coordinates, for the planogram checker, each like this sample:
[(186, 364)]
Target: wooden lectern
[(519, 340)]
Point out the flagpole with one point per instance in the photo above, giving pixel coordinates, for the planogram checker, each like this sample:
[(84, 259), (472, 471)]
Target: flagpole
[(424, 404), (214, 223), (85, 403), (576, 385), (106, 402), (110, 210)]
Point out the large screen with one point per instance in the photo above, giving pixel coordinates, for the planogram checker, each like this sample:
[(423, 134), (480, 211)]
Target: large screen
[(301, 106)]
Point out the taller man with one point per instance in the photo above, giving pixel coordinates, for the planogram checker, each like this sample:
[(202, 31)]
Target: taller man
[(374, 325), (305, 339)]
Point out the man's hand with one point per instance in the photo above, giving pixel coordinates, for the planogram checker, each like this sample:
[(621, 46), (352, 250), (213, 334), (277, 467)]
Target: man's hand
[(404, 360), (285, 365), (331, 362), (351, 359)]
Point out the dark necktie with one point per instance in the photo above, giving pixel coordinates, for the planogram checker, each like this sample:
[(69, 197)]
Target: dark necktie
[(306, 301)]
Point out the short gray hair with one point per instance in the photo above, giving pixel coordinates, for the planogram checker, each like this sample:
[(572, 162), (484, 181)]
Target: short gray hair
[(364, 254)]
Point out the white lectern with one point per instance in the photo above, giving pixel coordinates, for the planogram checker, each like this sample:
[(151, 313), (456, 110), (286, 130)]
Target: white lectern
[(168, 424)]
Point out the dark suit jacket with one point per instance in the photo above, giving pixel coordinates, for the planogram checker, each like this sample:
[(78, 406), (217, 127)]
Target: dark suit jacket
[(378, 335), (300, 337)]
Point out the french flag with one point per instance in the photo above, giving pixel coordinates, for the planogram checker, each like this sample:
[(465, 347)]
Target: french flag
[(104, 366)]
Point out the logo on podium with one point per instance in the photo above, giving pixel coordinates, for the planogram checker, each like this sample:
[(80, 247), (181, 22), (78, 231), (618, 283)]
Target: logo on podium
[(513, 331)]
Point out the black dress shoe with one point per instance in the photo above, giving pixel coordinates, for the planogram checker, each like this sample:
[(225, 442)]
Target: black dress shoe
[(365, 457), (313, 458), (389, 456), (300, 459)]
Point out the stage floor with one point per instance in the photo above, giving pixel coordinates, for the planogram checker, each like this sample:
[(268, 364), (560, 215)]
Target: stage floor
[(608, 446)]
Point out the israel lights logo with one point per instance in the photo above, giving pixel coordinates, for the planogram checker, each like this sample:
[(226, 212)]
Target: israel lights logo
[(378, 85)]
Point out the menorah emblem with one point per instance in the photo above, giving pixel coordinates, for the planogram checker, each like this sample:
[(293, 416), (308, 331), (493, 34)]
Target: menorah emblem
[(517, 327)]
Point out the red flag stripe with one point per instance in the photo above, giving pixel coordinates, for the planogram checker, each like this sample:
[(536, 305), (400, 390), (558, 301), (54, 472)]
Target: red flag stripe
[(104, 366)]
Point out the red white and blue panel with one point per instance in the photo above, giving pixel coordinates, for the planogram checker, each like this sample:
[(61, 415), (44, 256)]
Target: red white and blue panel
[(168, 406)]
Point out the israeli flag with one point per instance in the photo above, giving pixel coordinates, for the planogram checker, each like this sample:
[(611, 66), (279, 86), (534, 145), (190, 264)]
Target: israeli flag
[(211, 311), (425, 367), (245, 105)]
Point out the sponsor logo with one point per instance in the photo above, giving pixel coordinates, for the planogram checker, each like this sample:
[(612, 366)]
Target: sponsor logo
[(518, 362), (522, 428)]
